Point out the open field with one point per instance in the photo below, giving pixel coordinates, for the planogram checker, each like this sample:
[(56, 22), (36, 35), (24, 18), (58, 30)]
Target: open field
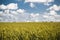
[(30, 31)]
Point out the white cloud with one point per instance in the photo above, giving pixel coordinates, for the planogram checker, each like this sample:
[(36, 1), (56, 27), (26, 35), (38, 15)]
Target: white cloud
[(21, 15), (3, 6), (13, 12), (12, 6), (48, 18), (32, 5), (13, 15), (52, 13), (40, 1), (52, 16), (20, 10), (9, 6), (34, 15), (6, 11), (45, 16), (55, 8)]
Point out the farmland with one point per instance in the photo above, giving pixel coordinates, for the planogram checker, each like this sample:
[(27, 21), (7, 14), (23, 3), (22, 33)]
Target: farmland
[(30, 31)]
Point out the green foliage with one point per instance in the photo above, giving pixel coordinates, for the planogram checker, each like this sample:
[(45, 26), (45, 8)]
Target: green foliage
[(30, 31)]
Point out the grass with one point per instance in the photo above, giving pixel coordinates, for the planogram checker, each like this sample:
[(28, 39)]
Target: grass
[(30, 31)]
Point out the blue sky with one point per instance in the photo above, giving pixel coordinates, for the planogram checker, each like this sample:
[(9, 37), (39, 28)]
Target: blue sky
[(29, 10)]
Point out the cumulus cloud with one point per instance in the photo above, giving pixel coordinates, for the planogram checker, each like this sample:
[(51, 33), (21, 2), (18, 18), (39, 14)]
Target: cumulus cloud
[(40, 1), (52, 16), (12, 6), (20, 10), (52, 13), (14, 16), (34, 15), (21, 15), (11, 16), (3, 6), (55, 8), (9, 6), (11, 13)]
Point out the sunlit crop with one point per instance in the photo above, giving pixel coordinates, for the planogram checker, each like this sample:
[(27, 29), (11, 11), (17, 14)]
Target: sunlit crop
[(30, 31)]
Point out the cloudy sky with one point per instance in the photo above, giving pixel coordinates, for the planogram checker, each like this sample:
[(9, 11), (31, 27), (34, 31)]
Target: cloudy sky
[(29, 10)]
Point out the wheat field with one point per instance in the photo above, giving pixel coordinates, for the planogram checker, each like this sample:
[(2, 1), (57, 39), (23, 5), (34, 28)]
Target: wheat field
[(30, 31)]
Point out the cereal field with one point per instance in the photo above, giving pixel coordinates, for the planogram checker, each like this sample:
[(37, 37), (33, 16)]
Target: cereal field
[(30, 31)]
